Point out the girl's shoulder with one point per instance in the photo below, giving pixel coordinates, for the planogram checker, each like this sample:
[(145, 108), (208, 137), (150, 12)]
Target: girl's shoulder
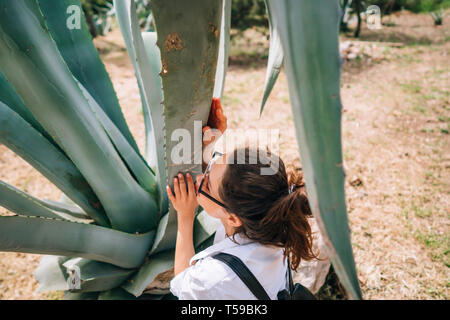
[(208, 278), (212, 271)]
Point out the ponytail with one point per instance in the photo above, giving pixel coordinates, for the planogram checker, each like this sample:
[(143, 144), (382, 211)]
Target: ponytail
[(274, 209), (289, 218)]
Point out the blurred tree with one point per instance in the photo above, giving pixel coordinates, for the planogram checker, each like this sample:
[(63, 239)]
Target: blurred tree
[(99, 13), (96, 13), (358, 9), (248, 13), (345, 5), (388, 6)]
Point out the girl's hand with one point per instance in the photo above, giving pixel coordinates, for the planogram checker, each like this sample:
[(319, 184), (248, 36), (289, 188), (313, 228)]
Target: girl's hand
[(217, 120), (184, 200)]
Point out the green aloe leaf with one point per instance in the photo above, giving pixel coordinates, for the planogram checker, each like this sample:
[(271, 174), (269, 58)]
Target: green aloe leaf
[(31, 62), (83, 60), (63, 238), (97, 276), (51, 275), (19, 136), (224, 50), (24, 204), (147, 65), (276, 57), (189, 59), (309, 33)]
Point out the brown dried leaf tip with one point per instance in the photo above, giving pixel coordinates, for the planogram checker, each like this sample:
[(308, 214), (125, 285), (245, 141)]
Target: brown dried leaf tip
[(173, 42)]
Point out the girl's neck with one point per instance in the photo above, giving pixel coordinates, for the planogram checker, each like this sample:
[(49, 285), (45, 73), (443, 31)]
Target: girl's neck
[(229, 230)]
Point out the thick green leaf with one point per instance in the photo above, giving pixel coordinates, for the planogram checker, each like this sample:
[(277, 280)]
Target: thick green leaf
[(147, 65), (19, 136), (138, 166), (166, 232), (205, 244), (51, 275), (97, 276), (83, 60), (116, 294), (155, 149), (276, 56), (81, 296), (224, 49), (309, 33), (24, 204), (204, 229), (9, 97), (189, 59), (72, 210), (156, 264), (149, 296), (56, 237), (30, 60)]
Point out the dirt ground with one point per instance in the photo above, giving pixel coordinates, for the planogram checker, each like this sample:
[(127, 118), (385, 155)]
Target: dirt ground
[(396, 123)]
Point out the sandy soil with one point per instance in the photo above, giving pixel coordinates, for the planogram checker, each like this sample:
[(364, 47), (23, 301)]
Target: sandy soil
[(396, 153)]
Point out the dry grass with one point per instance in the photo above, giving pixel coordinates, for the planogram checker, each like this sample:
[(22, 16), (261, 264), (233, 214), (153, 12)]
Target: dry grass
[(396, 124)]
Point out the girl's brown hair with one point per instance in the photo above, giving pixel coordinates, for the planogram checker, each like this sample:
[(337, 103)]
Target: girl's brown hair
[(269, 213)]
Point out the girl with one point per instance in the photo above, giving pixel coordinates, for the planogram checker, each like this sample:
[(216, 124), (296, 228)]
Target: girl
[(264, 220)]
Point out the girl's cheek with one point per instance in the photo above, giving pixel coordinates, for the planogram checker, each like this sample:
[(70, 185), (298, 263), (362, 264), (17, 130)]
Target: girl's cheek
[(206, 205), (200, 199)]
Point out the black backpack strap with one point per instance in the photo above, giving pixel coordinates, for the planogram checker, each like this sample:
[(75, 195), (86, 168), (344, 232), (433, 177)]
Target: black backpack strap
[(244, 274)]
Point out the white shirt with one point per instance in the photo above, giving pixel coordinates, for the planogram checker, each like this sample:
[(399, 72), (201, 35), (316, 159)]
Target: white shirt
[(211, 279)]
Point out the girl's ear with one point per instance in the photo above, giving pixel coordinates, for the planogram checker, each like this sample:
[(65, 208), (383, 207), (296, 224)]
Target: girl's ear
[(233, 220)]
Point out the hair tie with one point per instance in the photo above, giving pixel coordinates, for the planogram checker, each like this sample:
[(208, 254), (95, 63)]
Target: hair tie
[(291, 188)]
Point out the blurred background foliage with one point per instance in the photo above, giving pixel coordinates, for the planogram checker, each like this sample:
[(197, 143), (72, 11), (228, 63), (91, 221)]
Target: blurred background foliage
[(99, 15), (246, 14), (388, 6)]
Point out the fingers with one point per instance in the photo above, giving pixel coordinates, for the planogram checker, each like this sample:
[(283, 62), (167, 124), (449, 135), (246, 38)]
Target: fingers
[(222, 125), (205, 128), (176, 187), (170, 194), (217, 118), (220, 116), (190, 185), (215, 103), (183, 191), (208, 136)]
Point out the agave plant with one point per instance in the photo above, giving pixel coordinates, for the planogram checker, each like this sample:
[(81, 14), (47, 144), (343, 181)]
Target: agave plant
[(438, 16), (114, 227)]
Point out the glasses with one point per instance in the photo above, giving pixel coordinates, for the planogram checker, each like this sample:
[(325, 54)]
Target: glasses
[(215, 156)]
